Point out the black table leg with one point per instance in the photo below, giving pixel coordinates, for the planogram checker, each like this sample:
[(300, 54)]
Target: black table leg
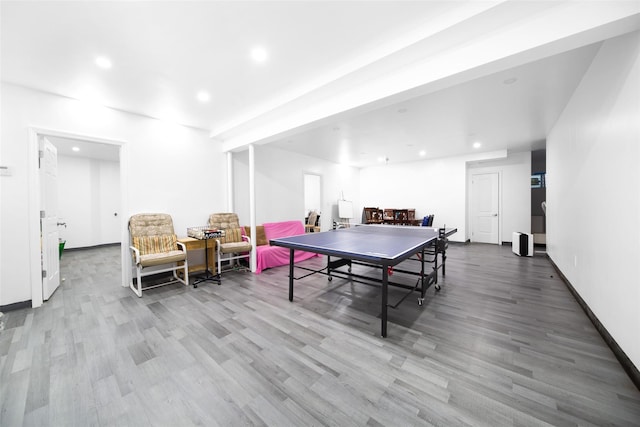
[(385, 283), (435, 268), (208, 275), (423, 283), (444, 259), (290, 274), (442, 248)]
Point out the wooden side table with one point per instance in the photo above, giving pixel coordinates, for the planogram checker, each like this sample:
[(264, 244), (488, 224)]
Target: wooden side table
[(197, 244)]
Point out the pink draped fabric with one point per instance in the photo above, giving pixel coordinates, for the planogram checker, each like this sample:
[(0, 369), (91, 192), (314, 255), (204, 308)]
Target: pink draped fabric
[(275, 256)]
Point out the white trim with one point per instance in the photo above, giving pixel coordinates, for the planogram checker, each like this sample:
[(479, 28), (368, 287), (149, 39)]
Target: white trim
[(35, 264), (35, 275), (125, 258), (500, 206)]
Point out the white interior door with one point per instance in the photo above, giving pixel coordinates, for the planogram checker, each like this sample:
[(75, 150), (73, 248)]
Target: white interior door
[(485, 205), (49, 218)]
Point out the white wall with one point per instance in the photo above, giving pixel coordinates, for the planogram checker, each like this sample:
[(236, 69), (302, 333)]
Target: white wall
[(88, 197), (515, 191), (439, 187), (162, 172), (430, 187), (593, 191), (436, 186), (280, 185)]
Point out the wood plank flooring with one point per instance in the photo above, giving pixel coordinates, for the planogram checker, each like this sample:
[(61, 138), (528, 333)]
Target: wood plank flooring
[(502, 344)]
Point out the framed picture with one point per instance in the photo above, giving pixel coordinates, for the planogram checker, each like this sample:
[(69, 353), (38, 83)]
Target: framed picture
[(537, 180)]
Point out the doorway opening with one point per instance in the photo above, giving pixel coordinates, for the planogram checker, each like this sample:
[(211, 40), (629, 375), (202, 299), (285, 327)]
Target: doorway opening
[(312, 197), (38, 193), (89, 192)]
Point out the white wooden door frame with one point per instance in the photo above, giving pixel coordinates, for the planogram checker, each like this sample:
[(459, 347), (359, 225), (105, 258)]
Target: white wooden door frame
[(470, 176), (35, 274)]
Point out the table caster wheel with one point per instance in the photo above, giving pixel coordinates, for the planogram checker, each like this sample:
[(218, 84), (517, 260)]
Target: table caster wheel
[(437, 287), (420, 301), (330, 278), (195, 286)]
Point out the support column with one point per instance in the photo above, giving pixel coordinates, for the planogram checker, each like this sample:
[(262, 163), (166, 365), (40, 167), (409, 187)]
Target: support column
[(252, 205), (229, 181)]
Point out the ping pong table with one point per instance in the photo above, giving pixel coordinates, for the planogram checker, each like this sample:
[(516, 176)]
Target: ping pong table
[(379, 246)]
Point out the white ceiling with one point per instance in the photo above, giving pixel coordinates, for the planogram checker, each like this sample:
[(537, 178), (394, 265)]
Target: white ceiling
[(84, 149), (163, 53), (499, 115)]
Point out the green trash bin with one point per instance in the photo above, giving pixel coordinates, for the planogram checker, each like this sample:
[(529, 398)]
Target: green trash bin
[(61, 244)]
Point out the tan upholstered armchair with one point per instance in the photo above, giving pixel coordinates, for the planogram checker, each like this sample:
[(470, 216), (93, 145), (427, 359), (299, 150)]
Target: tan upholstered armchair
[(234, 245), (155, 249)]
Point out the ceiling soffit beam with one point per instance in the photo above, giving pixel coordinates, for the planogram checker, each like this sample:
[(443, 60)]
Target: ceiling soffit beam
[(433, 26), (510, 38)]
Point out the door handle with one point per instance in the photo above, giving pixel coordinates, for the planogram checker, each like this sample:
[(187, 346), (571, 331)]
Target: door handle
[(494, 215)]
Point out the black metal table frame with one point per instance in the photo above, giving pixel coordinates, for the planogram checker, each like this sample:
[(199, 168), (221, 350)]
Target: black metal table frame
[(208, 275), (425, 281)]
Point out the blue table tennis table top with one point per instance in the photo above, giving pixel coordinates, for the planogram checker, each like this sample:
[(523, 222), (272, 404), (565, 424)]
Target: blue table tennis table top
[(381, 244)]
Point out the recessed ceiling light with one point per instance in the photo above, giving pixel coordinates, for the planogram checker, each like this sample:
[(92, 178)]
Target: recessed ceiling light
[(103, 62), (422, 153), (510, 81), (75, 149), (259, 54), (477, 144), (203, 96)]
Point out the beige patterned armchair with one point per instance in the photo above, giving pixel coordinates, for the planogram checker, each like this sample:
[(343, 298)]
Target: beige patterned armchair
[(155, 249), (234, 245)]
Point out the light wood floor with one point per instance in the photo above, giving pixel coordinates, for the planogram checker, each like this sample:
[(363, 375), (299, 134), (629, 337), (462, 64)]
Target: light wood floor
[(502, 344)]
